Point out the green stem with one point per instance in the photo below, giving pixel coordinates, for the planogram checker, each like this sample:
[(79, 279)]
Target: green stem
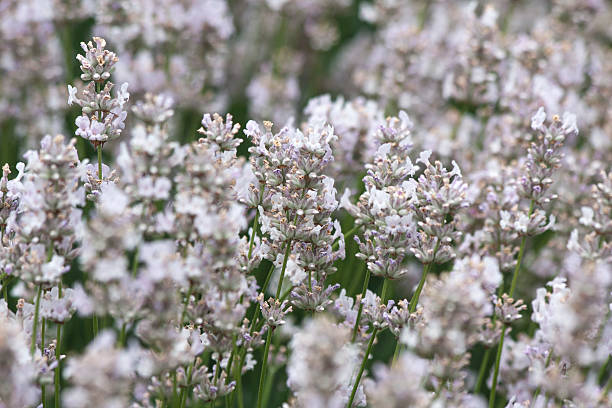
[(186, 303), (174, 392), (383, 298), (366, 282), (43, 394), (483, 370), (5, 289), (264, 366), (58, 347), (100, 162), (216, 378), (607, 388), (512, 288), (603, 369), (183, 396), (122, 335), (282, 275), (35, 322), (415, 298), (95, 325), (398, 346), (426, 269), (362, 368), (500, 347)]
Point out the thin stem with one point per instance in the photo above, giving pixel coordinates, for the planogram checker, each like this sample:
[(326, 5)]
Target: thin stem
[(186, 303), (43, 395), (603, 369), (483, 370), (284, 267), (500, 347), (5, 284), (216, 378), (512, 288), (398, 346), (362, 368), (58, 347), (366, 282), (607, 388), (415, 297), (35, 322), (183, 396), (255, 220), (100, 162), (238, 376), (264, 366), (122, 335), (95, 325), (383, 298)]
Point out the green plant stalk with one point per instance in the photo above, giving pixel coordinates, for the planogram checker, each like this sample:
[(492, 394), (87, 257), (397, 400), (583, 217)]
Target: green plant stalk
[(500, 347), (362, 368), (216, 377), (368, 350), (284, 267), (183, 396), (264, 363), (95, 325), (415, 297), (100, 162), (398, 346), (503, 334), (43, 391), (35, 322), (264, 366), (483, 370), (426, 269), (366, 282), (268, 386), (186, 303), (58, 346)]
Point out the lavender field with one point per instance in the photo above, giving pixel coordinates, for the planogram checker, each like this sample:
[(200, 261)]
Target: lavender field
[(305, 203)]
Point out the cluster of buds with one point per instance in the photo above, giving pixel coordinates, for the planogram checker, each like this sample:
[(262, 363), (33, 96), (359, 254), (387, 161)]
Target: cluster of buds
[(508, 310), (102, 116), (384, 208), (544, 155), (439, 196)]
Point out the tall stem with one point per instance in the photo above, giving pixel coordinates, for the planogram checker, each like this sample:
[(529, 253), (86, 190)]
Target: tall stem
[(500, 347), (362, 368), (284, 267), (366, 282), (35, 322), (415, 298), (43, 395), (383, 297), (100, 162), (483, 370), (183, 396), (264, 366), (58, 353), (512, 288)]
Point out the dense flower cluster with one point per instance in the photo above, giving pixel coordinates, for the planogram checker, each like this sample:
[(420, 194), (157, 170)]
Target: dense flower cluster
[(466, 262)]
